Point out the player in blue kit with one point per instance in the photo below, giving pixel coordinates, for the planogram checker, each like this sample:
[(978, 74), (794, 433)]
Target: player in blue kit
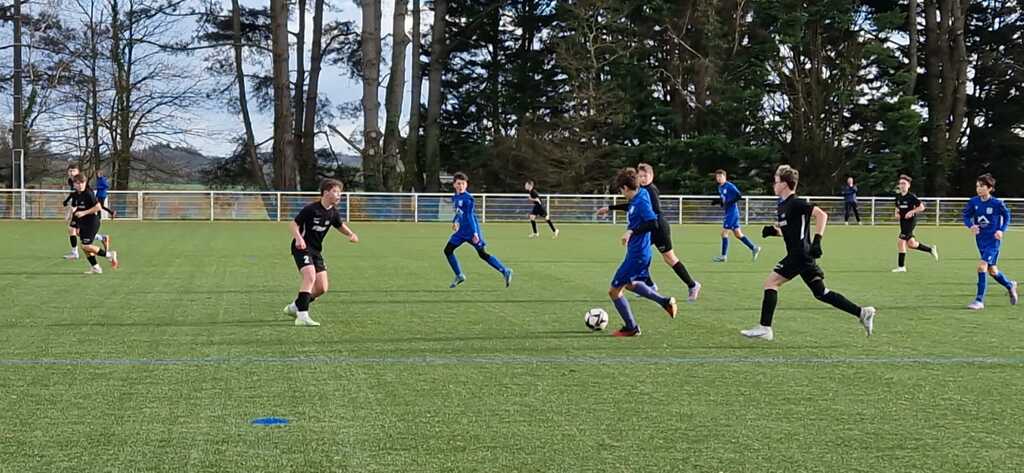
[(988, 218), (466, 230), (729, 197), (635, 269)]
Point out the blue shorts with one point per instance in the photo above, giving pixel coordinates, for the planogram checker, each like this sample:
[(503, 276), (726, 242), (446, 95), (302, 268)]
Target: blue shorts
[(458, 239), (989, 253), (731, 221), (632, 269)]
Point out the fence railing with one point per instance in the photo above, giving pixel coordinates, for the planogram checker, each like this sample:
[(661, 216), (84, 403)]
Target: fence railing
[(369, 206)]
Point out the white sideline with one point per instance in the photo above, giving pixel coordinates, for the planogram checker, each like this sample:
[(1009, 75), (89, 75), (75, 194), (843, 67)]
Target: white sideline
[(519, 360)]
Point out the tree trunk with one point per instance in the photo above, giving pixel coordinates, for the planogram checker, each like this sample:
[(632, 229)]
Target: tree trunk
[(308, 165), (251, 157), (372, 159), (438, 60), (911, 48), (284, 177), (299, 97), (494, 73), (121, 148), (946, 68), (413, 178), (94, 94), (394, 98)]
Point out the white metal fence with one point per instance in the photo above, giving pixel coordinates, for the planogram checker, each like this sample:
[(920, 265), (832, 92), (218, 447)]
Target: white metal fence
[(364, 206)]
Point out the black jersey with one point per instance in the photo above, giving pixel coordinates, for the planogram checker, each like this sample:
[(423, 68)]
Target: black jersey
[(314, 221), (534, 196), (85, 200), (655, 194), (906, 203), (795, 221)]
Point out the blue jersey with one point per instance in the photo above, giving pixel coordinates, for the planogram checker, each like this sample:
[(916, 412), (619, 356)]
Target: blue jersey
[(101, 186), (465, 215), (640, 211), (989, 215), (730, 196)]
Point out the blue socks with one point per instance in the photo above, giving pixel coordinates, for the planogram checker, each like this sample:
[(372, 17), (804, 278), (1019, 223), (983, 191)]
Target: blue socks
[(746, 241), (496, 264), (454, 263), (622, 305), (647, 292), (983, 284), (1001, 279)]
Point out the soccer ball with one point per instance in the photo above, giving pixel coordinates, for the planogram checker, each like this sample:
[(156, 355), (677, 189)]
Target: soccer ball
[(596, 319)]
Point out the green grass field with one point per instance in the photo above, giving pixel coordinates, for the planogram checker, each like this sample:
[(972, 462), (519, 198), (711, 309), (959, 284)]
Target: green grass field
[(160, 366)]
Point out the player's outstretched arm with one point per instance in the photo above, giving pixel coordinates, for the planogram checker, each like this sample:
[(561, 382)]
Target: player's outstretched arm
[(770, 231), (623, 207), (345, 230)]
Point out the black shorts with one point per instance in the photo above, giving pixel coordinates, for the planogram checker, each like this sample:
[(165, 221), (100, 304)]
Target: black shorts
[(662, 237), (87, 231), (907, 228), (539, 210), (309, 257), (73, 223), (805, 267)]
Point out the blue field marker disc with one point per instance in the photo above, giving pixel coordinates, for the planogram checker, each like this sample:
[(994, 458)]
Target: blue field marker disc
[(269, 421)]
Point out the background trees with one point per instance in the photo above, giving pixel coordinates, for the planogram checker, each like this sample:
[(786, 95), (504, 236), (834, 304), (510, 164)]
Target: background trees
[(558, 91)]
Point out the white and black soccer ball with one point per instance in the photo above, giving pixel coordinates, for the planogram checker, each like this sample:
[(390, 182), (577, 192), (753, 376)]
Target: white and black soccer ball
[(596, 319)]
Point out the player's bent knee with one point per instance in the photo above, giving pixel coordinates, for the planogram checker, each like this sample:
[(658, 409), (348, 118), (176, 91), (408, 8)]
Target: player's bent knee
[(818, 288), (482, 253)]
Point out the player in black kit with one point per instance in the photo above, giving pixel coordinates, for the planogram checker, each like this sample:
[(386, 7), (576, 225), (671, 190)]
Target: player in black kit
[(662, 237), (308, 231), (907, 208), (538, 210), (72, 225), (85, 218), (794, 218)]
